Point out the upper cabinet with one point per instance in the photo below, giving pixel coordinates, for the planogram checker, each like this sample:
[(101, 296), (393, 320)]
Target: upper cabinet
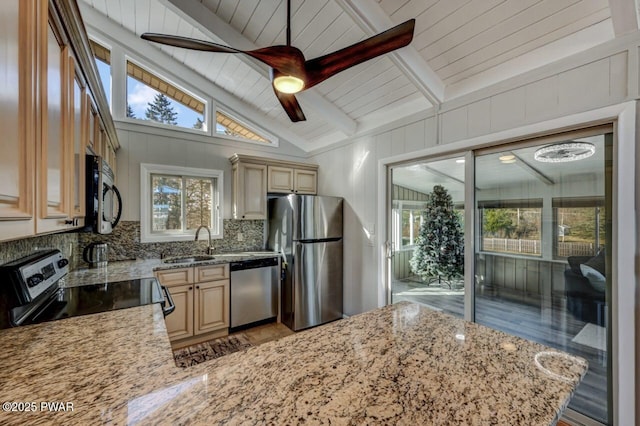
[(17, 118), (249, 190), (292, 180), (53, 187), (48, 85), (254, 177)]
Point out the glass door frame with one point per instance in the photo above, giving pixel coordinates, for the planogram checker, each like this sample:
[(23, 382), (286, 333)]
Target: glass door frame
[(625, 243), (469, 265)]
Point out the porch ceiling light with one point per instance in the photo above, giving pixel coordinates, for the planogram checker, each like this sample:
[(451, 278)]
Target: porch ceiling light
[(564, 151), (507, 159)]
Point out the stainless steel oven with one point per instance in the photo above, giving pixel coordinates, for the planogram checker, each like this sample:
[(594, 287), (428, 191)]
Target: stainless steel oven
[(30, 292), (104, 203)]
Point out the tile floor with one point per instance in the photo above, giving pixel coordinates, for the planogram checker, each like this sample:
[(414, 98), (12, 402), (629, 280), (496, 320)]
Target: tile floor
[(266, 332)]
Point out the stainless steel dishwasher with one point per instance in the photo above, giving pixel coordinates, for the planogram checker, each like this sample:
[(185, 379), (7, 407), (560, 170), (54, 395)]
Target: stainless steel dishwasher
[(254, 291)]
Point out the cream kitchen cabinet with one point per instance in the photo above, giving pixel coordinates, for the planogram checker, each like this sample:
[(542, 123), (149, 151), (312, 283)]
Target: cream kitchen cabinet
[(288, 180), (254, 177), (180, 322), (201, 297), (18, 58), (47, 74), (54, 190), (249, 191)]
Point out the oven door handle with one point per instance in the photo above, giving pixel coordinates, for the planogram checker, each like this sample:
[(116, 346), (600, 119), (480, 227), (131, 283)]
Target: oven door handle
[(172, 306)]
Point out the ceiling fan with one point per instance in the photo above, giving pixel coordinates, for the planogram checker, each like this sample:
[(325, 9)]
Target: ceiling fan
[(290, 71)]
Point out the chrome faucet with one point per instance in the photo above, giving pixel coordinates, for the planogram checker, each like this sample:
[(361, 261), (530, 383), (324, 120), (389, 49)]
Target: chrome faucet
[(209, 249)]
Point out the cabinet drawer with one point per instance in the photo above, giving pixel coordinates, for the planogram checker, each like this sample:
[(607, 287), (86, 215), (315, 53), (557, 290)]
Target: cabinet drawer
[(212, 272), (172, 277)]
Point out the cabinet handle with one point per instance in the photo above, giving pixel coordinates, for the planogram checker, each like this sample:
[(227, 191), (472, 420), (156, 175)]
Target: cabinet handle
[(197, 286), (190, 288), (243, 216)]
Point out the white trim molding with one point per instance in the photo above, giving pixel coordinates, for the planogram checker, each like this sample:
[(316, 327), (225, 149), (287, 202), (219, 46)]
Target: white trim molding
[(146, 170)]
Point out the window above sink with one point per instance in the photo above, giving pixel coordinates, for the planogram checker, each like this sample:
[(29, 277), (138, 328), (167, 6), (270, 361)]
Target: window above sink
[(175, 201)]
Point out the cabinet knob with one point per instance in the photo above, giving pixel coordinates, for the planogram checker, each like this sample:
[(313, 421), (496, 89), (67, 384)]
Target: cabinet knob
[(243, 216), (190, 288), (197, 286)]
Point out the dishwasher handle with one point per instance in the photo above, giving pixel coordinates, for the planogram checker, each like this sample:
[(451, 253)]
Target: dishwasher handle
[(166, 310), (253, 263)]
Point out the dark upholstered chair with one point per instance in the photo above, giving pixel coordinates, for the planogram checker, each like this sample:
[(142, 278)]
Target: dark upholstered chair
[(584, 302)]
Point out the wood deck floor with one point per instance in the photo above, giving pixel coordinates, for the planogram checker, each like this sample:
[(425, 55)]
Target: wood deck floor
[(523, 315)]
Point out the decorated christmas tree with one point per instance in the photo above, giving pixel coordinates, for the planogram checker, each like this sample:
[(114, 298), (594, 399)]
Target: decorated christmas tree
[(439, 253)]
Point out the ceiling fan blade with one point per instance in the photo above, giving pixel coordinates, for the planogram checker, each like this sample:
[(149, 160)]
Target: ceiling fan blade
[(291, 106), (287, 59), (323, 67), (188, 43)]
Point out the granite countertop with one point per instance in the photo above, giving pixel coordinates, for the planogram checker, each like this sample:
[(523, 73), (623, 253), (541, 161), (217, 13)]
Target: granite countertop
[(401, 364), (144, 268)]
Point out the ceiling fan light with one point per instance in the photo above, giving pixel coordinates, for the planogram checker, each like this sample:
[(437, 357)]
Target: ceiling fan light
[(288, 84)]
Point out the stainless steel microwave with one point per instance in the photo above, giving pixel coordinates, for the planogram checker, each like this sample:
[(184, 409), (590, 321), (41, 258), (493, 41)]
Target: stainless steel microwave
[(104, 203)]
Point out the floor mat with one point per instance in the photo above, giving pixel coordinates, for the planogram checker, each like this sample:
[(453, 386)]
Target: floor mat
[(212, 349)]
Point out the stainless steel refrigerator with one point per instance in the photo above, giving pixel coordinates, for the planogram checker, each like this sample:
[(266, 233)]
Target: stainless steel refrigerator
[(307, 231)]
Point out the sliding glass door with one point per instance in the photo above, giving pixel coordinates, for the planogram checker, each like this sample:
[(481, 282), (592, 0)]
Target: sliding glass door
[(427, 238), (543, 239), (539, 215)]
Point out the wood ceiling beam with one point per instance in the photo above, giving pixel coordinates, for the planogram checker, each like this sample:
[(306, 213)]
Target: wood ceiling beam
[(369, 16), (624, 15), (221, 32)]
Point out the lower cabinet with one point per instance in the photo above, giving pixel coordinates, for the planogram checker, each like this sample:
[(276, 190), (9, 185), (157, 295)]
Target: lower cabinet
[(201, 296), (180, 321), (211, 306)]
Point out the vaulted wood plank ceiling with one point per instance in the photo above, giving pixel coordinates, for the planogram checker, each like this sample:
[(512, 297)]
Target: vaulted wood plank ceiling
[(459, 46)]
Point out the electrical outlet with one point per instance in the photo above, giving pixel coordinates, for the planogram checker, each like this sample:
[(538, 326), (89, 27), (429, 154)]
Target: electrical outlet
[(240, 237)]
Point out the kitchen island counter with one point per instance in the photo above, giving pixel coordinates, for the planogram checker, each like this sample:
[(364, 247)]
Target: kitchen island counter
[(403, 363)]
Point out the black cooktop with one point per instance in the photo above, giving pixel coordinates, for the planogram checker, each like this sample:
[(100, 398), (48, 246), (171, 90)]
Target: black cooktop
[(95, 298)]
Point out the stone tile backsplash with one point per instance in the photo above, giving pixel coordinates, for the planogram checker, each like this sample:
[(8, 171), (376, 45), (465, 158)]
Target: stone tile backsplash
[(124, 242), (67, 243)]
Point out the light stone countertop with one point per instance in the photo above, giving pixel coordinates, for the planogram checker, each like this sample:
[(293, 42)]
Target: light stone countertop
[(144, 268), (401, 364)]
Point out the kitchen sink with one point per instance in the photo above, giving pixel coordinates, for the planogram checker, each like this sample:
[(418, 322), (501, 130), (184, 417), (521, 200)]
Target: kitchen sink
[(189, 259)]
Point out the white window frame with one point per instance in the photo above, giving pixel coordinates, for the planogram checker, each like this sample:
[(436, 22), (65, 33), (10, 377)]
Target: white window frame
[(272, 140), (411, 206), (146, 202)]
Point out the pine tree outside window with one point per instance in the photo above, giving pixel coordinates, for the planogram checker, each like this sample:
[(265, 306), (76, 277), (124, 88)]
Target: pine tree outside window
[(154, 99)]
